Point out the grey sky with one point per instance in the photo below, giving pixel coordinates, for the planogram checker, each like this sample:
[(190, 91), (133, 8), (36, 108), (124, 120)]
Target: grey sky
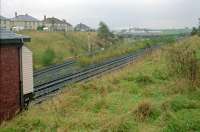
[(116, 13)]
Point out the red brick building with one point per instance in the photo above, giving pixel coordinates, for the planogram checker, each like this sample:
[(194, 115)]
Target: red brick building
[(11, 86)]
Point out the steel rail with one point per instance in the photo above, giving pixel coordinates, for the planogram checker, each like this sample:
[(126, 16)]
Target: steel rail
[(53, 67), (50, 87)]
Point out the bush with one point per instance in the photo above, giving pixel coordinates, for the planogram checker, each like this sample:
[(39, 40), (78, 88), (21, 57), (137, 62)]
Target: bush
[(143, 110), (183, 61), (194, 31), (48, 57), (40, 28)]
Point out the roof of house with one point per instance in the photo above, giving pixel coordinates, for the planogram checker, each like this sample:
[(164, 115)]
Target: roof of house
[(82, 26), (56, 20), (25, 17), (9, 37), (2, 17)]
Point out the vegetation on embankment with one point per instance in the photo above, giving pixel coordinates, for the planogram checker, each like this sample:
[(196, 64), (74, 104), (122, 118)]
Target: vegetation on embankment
[(55, 47), (124, 47), (149, 95)]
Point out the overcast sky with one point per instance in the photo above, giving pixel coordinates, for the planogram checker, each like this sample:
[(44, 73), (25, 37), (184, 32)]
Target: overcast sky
[(116, 13)]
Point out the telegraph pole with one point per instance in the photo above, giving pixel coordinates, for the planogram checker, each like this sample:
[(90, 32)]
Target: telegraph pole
[(89, 45)]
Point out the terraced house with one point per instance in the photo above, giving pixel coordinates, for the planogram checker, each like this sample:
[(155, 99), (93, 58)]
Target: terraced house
[(27, 22), (24, 22), (54, 24), (82, 27), (4, 22)]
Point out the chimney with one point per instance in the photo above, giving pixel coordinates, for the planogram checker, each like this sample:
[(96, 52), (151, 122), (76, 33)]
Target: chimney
[(15, 14), (26, 14), (45, 17)]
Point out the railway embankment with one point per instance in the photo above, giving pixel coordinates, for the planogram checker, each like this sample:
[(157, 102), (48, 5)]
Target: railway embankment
[(159, 92)]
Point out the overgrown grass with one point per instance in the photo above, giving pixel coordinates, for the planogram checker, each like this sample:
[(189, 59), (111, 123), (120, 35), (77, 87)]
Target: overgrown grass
[(70, 44), (64, 45), (124, 47), (142, 97)]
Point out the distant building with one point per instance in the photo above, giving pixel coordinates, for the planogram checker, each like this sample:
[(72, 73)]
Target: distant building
[(27, 22), (4, 22), (54, 24), (24, 22), (82, 27)]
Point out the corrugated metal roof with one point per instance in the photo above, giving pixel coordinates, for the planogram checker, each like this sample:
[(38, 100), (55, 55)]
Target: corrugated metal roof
[(8, 37), (24, 18)]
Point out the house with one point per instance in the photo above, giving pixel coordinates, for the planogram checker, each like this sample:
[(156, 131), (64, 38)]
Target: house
[(4, 22), (16, 73), (27, 22), (54, 24), (82, 27), (24, 22)]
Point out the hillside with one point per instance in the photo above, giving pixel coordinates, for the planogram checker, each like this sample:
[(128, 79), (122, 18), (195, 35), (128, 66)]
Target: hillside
[(149, 95), (60, 46), (55, 47)]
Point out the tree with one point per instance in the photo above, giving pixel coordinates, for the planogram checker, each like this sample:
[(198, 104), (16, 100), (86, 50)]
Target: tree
[(194, 31), (103, 31), (40, 28)]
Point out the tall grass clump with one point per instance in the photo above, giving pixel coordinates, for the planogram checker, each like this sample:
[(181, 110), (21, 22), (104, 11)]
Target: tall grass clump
[(183, 62), (48, 57), (143, 110)]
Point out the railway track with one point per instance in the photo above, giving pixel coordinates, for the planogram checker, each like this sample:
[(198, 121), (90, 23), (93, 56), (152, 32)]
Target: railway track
[(44, 90), (54, 67)]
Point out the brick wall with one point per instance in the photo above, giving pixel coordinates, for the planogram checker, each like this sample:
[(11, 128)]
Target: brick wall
[(9, 82)]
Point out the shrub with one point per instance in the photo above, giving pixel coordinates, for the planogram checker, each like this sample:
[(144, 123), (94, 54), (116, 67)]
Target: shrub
[(40, 28), (194, 31), (143, 110), (48, 57), (183, 61)]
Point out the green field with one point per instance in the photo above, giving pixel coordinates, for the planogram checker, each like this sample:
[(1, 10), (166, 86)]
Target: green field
[(150, 95)]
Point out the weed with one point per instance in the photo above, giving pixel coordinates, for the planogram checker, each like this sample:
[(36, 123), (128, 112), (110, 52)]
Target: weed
[(183, 121), (161, 75), (48, 57), (143, 110), (143, 79), (183, 62), (181, 102)]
